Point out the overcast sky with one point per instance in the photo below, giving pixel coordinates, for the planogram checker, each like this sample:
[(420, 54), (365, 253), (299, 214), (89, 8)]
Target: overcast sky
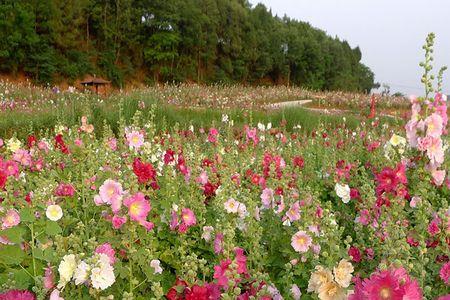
[(390, 33)]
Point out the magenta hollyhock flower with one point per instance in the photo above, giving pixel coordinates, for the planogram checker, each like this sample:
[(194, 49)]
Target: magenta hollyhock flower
[(433, 227), (301, 241), (220, 273), (386, 180), (387, 284), (188, 217), (138, 207), (241, 260), (446, 297), (444, 273), (364, 217), (11, 168), (118, 221), (108, 251), (65, 190), (10, 219), (17, 295), (111, 193), (174, 220)]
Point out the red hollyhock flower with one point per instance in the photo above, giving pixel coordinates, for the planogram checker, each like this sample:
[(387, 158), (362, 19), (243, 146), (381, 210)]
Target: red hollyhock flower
[(3, 179), (298, 161), (31, 141), (355, 254), (59, 144), (169, 156), (144, 171), (387, 180)]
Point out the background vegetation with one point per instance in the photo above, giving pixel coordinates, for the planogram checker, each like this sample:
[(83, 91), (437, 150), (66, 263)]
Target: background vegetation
[(173, 40)]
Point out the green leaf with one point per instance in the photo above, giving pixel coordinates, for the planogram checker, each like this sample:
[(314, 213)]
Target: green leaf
[(11, 254), (26, 215), (15, 234), (52, 228)]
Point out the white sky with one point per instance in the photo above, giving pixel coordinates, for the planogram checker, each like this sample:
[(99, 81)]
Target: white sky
[(390, 33)]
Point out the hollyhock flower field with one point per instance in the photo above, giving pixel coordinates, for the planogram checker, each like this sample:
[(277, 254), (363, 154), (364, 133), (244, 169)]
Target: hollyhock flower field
[(226, 212)]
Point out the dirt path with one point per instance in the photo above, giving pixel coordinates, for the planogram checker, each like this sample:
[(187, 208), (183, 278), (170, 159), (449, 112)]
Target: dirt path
[(328, 111)]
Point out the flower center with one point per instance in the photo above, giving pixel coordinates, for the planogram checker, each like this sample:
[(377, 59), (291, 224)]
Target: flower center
[(385, 293)]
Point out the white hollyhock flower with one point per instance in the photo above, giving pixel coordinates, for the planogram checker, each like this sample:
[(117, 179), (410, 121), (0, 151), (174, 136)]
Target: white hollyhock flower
[(66, 268), (81, 273), (54, 212), (343, 192), (155, 264)]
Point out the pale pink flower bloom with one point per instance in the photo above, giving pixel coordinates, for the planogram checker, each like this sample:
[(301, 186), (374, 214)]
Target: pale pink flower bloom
[(23, 157), (294, 212), (42, 145), (78, 142), (108, 251), (112, 144), (411, 133), (135, 139), (155, 264), (415, 201), (11, 219), (434, 125), (55, 295), (435, 152), (301, 241), (231, 205), (111, 193), (295, 291), (267, 197), (438, 176), (202, 178)]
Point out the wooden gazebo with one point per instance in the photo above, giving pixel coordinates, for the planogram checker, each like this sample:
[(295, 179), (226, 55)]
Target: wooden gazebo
[(95, 83)]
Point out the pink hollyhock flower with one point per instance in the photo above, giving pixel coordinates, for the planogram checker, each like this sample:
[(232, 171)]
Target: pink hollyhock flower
[(446, 297), (11, 168), (355, 254), (434, 125), (17, 295), (108, 251), (241, 260), (444, 273), (174, 220), (135, 139), (438, 176), (301, 241), (65, 190), (388, 284), (49, 278), (220, 273), (411, 133), (433, 227), (118, 221), (218, 240), (212, 136), (138, 207), (435, 152), (267, 197), (112, 144), (252, 134), (10, 219), (55, 295), (188, 217), (294, 212), (364, 217), (111, 193), (202, 178), (23, 157)]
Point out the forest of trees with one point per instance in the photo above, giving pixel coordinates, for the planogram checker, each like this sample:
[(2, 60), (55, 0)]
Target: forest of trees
[(173, 40)]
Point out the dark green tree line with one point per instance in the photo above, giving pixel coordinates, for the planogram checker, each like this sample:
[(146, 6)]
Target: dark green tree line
[(173, 40)]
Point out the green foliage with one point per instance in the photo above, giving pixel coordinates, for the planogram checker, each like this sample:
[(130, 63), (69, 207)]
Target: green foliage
[(177, 40)]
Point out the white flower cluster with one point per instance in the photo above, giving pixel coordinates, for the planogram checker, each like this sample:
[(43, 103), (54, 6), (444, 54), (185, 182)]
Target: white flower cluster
[(96, 270), (343, 192)]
